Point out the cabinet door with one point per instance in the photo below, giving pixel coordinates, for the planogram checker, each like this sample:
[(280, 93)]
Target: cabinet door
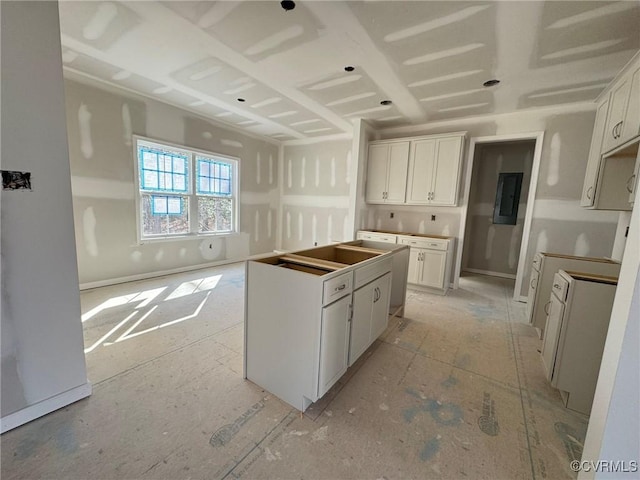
[(380, 308), (415, 265), (593, 164), (631, 125), (377, 161), (444, 189), (361, 321), (334, 343), (551, 336), (617, 111), (397, 172), (433, 265), (421, 163), (533, 290)]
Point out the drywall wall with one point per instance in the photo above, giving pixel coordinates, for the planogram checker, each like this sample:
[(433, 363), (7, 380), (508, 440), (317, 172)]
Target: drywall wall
[(42, 345), (315, 194), (101, 121), (559, 223), (493, 247)]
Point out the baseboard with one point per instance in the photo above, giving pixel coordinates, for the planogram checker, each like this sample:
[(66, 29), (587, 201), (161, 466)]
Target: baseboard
[(510, 276), (162, 273), (40, 409)]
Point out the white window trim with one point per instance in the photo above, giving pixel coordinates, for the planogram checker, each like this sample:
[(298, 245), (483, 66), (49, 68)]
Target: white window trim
[(193, 205)]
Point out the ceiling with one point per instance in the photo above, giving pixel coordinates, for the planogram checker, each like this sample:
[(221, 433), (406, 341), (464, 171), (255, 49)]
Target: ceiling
[(430, 58)]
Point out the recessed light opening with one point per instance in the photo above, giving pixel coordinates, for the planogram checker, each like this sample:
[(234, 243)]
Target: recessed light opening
[(386, 102), (288, 5), (491, 83), (241, 100), (349, 68)]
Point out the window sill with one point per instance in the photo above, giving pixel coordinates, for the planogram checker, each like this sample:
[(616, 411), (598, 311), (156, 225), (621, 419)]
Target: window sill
[(181, 238)]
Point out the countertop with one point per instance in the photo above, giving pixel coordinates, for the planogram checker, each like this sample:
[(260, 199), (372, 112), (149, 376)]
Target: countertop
[(409, 234)]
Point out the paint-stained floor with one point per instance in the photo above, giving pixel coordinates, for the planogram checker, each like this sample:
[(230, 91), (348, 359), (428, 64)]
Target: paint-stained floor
[(455, 389)]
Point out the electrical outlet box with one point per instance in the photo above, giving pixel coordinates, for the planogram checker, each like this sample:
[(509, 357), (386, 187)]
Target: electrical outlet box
[(391, 215), (433, 218)]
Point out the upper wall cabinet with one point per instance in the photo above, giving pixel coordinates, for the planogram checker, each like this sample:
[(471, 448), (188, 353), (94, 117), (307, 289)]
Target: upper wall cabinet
[(434, 171), (433, 174), (387, 172), (593, 164), (609, 178), (623, 121)]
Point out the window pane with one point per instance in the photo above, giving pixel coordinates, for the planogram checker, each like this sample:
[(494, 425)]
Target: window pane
[(162, 169), (180, 183), (204, 168), (168, 223), (159, 205), (215, 214), (179, 165), (174, 205), (150, 161), (149, 179)]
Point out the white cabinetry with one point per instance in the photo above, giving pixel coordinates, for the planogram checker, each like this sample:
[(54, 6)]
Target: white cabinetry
[(299, 310), (377, 236), (387, 172), (545, 266), (370, 316), (612, 157), (429, 261), (575, 334), (334, 344), (416, 171), (434, 171), (593, 164), (623, 122)]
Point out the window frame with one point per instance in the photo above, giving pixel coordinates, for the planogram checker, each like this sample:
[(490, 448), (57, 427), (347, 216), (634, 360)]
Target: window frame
[(191, 194)]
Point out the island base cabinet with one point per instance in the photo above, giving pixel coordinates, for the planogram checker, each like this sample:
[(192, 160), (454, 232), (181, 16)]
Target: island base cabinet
[(370, 315), (334, 343)]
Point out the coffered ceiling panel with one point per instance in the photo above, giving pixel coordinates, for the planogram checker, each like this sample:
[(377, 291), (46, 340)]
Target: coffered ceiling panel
[(428, 58)]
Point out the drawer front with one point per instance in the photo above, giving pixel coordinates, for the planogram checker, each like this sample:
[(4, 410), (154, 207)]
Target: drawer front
[(421, 242), (336, 288), (377, 237), (537, 261), (560, 287), (367, 273)]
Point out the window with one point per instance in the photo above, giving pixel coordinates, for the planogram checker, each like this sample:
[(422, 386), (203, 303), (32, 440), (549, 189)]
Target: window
[(184, 192)]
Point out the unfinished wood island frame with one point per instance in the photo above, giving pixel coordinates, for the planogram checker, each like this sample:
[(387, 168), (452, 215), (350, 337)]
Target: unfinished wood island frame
[(310, 314)]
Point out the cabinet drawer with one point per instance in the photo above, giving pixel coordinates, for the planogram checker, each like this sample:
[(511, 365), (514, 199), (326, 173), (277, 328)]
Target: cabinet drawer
[(560, 286), (377, 237), (422, 242), (367, 273), (336, 288)]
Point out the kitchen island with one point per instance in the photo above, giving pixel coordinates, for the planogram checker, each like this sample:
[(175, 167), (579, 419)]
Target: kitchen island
[(310, 314)]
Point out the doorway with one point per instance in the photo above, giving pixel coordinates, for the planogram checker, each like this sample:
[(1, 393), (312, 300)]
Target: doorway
[(495, 225), (497, 205)]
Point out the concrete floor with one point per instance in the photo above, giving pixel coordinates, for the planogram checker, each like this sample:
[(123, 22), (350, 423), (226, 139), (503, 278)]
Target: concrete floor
[(453, 390)]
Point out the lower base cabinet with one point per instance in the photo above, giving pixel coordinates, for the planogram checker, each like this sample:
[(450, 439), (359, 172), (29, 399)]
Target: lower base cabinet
[(310, 314), (334, 347), (427, 267), (370, 316)]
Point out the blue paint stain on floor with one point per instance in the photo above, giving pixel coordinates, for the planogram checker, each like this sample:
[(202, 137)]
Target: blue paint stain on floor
[(481, 312), (449, 382), (431, 447), (65, 439), (444, 413)]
